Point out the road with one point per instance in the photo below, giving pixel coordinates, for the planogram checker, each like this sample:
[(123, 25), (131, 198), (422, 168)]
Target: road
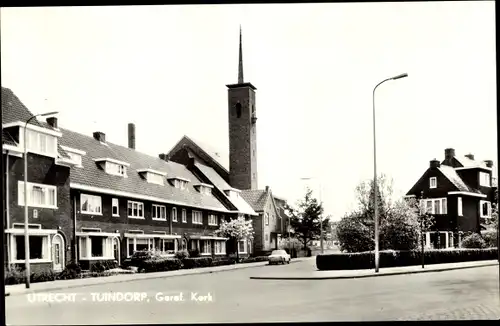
[(459, 294)]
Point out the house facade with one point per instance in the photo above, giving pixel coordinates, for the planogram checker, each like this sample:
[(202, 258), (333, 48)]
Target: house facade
[(267, 224), (48, 174), (458, 192)]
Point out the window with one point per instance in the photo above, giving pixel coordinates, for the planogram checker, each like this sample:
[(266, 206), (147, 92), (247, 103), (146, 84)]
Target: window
[(96, 247), (76, 158), (433, 182), (205, 247), (90, 204), (155, 178), (485, 209), (135, 209), (484, 179), (115, 209), (242, 247), (159, 212), (266, 218), (437, 206), (38, 247), (267, 237), (174, 214), (184, 216), (220, 247), (180, 184), (238, 110), (428, 207), (212, 219), (444, 206), (41, 143), (116, 169), (39, 195), (197, 217), (459, 200)]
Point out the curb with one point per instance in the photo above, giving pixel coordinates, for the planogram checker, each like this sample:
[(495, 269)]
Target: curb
[(369, 275), (61, 287)]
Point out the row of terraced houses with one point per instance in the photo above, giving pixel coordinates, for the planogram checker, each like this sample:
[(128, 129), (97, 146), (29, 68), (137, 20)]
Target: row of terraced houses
[(91, 200)]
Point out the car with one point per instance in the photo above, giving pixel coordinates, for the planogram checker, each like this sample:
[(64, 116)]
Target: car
[(279, 257)]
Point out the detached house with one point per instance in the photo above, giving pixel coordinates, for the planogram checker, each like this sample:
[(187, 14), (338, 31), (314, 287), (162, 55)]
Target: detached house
[(458, 192), (48, 173)]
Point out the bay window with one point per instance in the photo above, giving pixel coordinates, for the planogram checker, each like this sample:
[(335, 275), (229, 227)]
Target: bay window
[(41, 143), (164, 247), (206, 247), (96, 247), (39, 247), (39, 195), (220, 247)]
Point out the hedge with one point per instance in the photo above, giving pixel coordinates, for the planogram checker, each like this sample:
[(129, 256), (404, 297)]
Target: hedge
[(389, 258), (161, 265), (254, 259), (197, 262)]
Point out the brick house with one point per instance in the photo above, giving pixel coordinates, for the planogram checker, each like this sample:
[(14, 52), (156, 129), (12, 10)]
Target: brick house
[(124, 201), (267, 224), (49, 209), (458, 192)]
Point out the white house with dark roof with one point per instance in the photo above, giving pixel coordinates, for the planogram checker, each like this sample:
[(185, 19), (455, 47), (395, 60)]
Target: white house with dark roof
[(458, 192)]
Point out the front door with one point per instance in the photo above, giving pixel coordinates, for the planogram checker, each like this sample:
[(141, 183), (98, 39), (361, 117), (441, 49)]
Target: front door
[(58, 252), (116, 249)]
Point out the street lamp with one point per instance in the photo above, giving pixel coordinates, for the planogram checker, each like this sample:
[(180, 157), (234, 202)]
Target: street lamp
[(26, 235), (321, 216), (375, 170)]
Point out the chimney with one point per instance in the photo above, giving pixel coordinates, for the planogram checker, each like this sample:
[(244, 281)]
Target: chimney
[(470, 156), (131, 135), (163, 157), (100, 136), (449, 153), (489, 163), (52, 121), (434, 163), (267, 188)]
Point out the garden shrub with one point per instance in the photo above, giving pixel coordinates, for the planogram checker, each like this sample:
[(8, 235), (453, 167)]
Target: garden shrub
[(71, 271), (391, 258), (14, 275), (254, 259), (161, 265), (490, 239), (197, 262), (182, 254), (194, 253), (353, 235), (473, 241)]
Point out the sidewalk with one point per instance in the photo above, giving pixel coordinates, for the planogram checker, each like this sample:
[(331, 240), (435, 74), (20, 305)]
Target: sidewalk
[(314, 274), (67, 284)]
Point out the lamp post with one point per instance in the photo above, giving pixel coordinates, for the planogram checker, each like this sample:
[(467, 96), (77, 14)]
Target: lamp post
[(422, 212), (26, 234), (321, 216), (375, 170)]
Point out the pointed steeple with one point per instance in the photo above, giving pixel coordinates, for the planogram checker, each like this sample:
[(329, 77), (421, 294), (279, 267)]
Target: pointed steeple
[(240, 64)]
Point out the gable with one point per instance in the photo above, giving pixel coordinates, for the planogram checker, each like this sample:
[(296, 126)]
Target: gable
[(187, 147), (443, 184)]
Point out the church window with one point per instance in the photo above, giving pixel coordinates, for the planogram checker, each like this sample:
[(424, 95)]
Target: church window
[(238, 110)]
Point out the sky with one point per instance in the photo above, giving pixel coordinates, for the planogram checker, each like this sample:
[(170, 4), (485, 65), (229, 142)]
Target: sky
[(165, 68)]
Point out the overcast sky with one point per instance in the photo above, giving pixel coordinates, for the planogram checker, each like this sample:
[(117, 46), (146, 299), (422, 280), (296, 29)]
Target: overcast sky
[(314, 65)]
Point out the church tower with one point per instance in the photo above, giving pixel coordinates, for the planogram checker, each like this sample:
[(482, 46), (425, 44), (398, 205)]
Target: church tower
[(242, 131)]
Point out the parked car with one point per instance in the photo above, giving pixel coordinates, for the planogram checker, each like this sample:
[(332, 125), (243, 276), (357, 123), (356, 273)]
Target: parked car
[(279, 257)]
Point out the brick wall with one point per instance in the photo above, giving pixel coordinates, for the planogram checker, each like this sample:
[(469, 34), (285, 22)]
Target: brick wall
[(242, 139), (42, 170)]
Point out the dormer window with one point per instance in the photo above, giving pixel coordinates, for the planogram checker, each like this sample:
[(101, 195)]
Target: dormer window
[(75, 155), (153, 176), (113, 167), (232, 193), (433, 182), (204, 188), (484, 179), (41, 143), (179, 183)]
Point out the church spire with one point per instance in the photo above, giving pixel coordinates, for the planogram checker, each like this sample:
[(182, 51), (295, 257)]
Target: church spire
[(240, 64)]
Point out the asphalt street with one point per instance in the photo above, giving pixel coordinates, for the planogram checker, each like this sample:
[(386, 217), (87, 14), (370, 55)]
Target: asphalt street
[(232, 297)]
